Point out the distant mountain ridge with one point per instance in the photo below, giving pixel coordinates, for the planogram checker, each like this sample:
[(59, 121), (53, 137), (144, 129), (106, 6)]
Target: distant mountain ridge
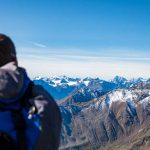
[(62, 86)]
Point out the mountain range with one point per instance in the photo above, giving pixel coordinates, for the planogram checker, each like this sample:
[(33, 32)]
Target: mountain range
[(62, 87), (103, 115)]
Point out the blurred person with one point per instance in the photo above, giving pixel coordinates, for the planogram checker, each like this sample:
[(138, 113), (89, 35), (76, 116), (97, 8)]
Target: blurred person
[(29, 117)]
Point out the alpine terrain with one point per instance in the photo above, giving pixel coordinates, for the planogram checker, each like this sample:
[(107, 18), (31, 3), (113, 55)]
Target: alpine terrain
[(102, 115)]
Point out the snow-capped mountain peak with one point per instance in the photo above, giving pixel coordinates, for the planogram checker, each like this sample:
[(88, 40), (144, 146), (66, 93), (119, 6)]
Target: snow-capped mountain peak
[(119, 79)]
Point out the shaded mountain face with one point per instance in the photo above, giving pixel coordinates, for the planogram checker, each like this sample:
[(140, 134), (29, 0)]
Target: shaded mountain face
[(94, 89), (119, 119), (58, 87)]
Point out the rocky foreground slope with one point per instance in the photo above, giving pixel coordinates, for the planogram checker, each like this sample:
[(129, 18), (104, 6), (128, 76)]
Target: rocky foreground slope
[(116, 120)]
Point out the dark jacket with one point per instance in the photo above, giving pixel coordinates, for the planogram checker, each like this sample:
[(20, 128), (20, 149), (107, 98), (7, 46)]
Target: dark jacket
[(11, 83)]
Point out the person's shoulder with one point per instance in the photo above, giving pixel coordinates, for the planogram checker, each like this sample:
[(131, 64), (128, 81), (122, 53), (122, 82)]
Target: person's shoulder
[(46, 100)]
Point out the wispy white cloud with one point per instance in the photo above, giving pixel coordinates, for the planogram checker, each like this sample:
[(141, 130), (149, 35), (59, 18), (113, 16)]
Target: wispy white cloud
[(39, 45), (72, 52), (36, 44), (83, 57)]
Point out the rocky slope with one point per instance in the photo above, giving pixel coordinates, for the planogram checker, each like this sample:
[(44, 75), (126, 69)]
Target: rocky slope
[(119, 119)]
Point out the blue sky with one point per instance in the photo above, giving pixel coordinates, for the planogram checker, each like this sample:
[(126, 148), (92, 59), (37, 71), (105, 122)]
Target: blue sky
[(100, 38)]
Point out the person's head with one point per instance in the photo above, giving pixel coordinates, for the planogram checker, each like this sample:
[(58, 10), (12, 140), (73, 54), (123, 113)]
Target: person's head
[(7, 50)]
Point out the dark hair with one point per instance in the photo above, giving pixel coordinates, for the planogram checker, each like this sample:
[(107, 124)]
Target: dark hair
[(7, 50)]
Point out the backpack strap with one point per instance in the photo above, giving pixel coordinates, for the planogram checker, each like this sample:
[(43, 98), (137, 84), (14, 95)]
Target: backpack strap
[(27, 95), (18, 119), (20, 127), (7, 142)]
